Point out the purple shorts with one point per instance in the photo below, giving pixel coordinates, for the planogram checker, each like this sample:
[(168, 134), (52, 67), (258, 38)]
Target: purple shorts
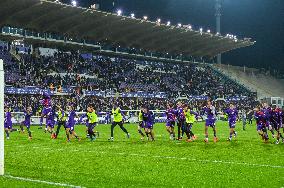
[(90, 125), (148, 125), (170, 123), (27, 124), (210, 123), (232, 124), (46, 110), (69, 126), (260, 127), (50, 123), (8, 125)]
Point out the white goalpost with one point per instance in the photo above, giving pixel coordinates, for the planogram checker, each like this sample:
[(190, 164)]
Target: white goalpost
[(2, 83)]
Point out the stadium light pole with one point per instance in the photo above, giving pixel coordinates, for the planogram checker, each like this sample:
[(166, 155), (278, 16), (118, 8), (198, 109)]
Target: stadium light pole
[(218, 7), (2, 83)]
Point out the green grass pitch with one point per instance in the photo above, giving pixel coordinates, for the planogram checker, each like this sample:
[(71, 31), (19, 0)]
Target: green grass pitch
[(244, 162)]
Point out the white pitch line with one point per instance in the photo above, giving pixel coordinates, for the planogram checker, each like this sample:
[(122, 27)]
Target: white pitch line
[(42, 181)]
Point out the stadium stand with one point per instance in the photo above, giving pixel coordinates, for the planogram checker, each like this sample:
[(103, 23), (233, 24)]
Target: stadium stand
[(261, 82), (79, 74)]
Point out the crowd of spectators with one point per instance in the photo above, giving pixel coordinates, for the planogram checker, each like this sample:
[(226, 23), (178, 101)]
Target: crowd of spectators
[(73, 70), (121, 75)]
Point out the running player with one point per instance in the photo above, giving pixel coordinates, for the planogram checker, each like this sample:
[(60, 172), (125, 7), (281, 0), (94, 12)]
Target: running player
[(266, 109), (71, 123), (27, 121), (210, 112), (261, 124), (92, 121), (276, 121), (46, 102), (8, 122), (117, 120), (170, 125), (189, 120), (50, 122), (61, 120), (232, 118), (180, 120), (149, 121), (141, 123)]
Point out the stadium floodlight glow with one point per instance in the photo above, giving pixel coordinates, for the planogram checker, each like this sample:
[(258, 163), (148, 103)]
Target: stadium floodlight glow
[(168, 23), (132, 15), (74, 3), (145, 17), (119, 12)]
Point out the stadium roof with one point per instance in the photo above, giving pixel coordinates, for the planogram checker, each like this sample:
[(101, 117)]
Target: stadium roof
[(49, 17)]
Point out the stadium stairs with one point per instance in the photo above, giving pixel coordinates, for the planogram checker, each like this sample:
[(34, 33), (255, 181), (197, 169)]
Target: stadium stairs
[(266, 86)]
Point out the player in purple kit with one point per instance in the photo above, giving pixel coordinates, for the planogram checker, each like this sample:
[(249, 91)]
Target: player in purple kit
[(232, 118), (210, 112), (180, 120), (27, 122), (50, 122), (148, 122), (261, 123), (170, 124), (268, 114), (47, 107), (276, 121), (8, 122), (71, 123)]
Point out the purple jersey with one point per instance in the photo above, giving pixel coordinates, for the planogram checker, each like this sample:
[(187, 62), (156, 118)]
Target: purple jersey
[(276, 117), (232, 114), (148, 119), (71, 119), (27, 121), (210, 112), (170, 113), (180, 114), (260, 120), (267, 113), (8, 120), (50, 119)]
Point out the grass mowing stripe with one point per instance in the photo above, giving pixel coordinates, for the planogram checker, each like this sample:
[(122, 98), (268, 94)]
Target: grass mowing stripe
[(174, 157), (42, 181)]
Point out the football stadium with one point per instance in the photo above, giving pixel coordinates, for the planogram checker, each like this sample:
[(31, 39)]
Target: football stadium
[(132, 93)]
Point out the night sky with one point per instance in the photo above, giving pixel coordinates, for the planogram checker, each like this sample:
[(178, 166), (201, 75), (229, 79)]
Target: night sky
[(261, 20)]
